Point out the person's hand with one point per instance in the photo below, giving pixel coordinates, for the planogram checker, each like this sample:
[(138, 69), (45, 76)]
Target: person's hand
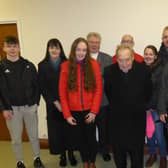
[(163, 117), (7, 114), (71, 120), (58, 105), (90, 118)]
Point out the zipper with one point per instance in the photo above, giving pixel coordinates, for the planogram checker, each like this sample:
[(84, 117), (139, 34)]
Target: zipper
[(81, 91)]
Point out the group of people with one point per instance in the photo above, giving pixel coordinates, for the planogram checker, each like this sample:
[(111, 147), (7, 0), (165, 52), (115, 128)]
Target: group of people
[(90, 90)]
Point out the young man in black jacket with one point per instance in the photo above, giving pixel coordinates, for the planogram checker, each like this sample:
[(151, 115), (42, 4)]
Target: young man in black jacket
[(20, 92)]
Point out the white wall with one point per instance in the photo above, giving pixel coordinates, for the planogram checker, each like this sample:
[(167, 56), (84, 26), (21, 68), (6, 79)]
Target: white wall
[(40, 20)]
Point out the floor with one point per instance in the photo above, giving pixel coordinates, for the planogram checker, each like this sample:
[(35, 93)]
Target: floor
[(7, 159)]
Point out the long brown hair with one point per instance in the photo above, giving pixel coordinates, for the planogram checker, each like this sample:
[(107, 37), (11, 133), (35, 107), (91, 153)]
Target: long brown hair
[(89, 77)]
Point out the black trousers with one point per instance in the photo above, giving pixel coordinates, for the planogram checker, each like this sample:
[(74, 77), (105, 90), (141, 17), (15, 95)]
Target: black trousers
[(136, 156), (103, 129), (56, 136), (83, 137)]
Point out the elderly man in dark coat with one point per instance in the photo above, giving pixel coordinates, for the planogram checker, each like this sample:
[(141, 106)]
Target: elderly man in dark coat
[(128, 88)]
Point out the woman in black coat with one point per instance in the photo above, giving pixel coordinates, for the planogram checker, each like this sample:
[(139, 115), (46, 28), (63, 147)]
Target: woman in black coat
[(128, 88), (154, 63), (49, 73)]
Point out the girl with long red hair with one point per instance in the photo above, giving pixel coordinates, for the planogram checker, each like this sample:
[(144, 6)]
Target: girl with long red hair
[(80, 91)]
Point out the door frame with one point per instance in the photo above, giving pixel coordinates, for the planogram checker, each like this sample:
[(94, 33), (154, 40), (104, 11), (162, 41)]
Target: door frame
[(18, 24)]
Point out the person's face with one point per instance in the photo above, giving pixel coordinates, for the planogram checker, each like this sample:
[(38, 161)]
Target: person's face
[(149, 56), (124, 60), (11, 50), (128, 41), (94, 44), (54, 52), (81, 51), (165, 38)]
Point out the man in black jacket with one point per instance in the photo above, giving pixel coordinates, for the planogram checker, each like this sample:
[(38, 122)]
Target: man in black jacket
[(163, 96), (20, 92)]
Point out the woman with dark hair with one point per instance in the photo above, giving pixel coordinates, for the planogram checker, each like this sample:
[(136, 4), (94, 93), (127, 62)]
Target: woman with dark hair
[(151, 60), (49, 73), (80, 91)]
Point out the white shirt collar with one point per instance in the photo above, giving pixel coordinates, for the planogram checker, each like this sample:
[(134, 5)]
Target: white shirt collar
[(95, 55)]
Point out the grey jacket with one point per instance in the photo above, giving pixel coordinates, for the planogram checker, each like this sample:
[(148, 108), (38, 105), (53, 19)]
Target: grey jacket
[(105, 60)]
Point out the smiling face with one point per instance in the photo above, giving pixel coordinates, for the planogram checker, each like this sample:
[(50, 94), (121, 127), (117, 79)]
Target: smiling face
[(149, 56), (81, 51), (54, 52), (124, 59)]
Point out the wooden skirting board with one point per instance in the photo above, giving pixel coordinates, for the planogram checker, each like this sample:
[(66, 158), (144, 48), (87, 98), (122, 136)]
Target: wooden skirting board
[(44, 144)]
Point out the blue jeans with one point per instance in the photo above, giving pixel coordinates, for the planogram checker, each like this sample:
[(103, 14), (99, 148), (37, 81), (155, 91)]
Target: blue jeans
[(157, 136)]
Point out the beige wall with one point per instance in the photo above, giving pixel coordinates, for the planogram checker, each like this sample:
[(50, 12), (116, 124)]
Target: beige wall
[(39, 20)]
